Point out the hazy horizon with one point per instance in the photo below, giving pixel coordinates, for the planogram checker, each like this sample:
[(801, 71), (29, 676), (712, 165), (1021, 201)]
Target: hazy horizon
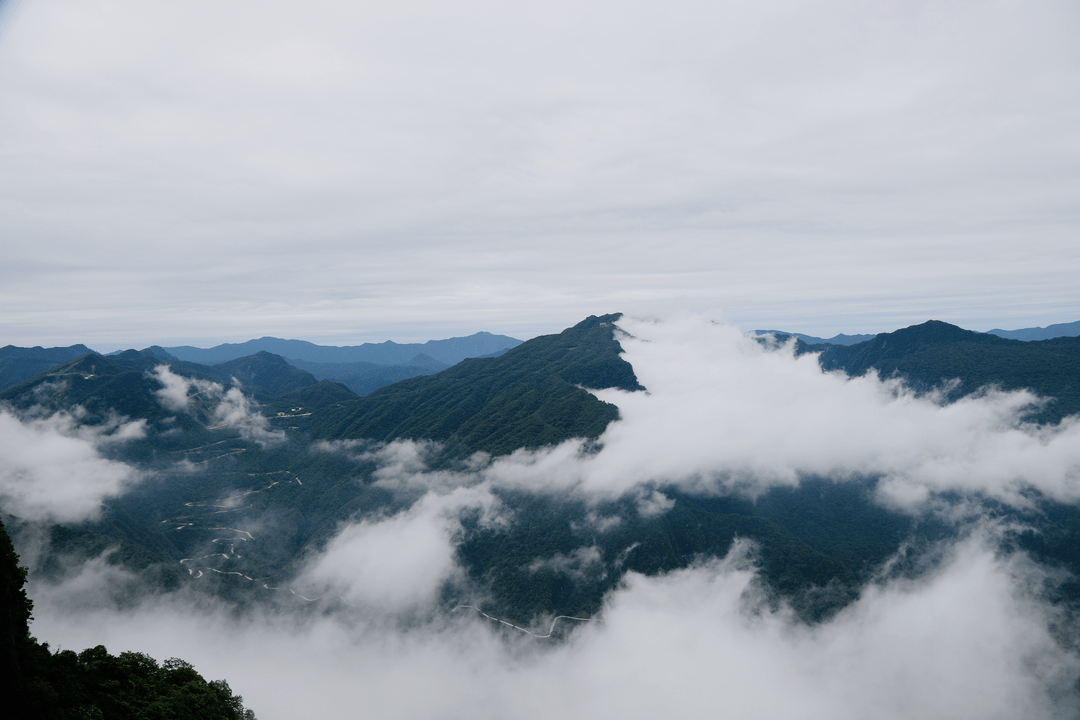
[(208, 343), (360, 172)]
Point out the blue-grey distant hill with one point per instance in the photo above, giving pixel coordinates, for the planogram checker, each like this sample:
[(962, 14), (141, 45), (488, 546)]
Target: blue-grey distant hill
[(449, 352), (1039, 333), (840, 339), (1026, 334), (364, 377), (267, 372)]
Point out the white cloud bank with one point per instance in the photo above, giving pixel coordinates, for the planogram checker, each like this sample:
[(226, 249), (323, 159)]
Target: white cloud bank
[(723, 412), (51, 469), (399, 562), (970, 638), (968, 641)]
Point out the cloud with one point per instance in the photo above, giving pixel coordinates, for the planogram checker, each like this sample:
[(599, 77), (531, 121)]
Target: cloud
[(576, 564), (968, 640), (403, 466), (725, 413), (971, 636), (173, 394), (51, 469), (236, 411), (597, 523), (923, 649), (653, 504), (233, 409), (399, 563)]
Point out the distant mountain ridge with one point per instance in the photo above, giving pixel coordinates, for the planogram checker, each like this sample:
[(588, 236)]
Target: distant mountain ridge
[(1040, 333), (285, 491), (840, 339), (386, 363), (1026, 334), (364, 377), (450, 351), (930, 355)]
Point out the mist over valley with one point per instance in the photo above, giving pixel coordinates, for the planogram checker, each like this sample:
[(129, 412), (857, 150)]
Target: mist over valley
[(626, 517)]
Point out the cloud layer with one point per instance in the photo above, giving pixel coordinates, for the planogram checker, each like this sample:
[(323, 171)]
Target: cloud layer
[(968, 641), (51, 468), (725, 413), (972, 636), (397, 563)]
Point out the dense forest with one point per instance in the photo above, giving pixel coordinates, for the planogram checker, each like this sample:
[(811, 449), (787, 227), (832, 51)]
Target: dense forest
[(39, 684), (934, 354)]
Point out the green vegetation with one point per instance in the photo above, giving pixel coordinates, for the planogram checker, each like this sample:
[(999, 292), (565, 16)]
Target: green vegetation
[(557, 559), (42, 685), (265, 373), (530, 397), (930, 355), (21, 364)]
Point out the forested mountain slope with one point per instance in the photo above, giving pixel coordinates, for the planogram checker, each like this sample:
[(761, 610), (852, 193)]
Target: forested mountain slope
[(18, 364), (930, 355), (38, 683), (529, 397), (365, 377)]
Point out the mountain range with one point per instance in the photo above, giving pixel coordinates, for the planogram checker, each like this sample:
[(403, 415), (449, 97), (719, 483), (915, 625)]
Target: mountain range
[(289, 459), (361, 368), (1039, 333), (840, 339), (931, 355), (448, 352), (1027, 334)]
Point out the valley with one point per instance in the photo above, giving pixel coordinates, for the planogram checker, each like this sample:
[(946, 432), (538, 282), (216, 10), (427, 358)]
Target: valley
[(533, 490)]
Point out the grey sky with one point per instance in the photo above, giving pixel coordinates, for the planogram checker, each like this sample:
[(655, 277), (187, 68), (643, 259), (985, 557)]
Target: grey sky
[(208, 172)]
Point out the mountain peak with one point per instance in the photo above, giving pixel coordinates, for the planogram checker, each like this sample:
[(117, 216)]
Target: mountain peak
[(597, 321)]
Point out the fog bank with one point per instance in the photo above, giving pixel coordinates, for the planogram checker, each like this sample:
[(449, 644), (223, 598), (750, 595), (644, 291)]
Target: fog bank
[(968, 641)]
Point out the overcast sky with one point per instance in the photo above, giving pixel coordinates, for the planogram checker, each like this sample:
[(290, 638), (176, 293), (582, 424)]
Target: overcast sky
[(207, 172)]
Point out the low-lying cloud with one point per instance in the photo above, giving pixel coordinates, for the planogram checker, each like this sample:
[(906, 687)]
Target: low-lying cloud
[(969, 640), (970, 636), (237, 411), (399, 563), (575, 564), (51, 468), (233, 409), (726, 413)]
